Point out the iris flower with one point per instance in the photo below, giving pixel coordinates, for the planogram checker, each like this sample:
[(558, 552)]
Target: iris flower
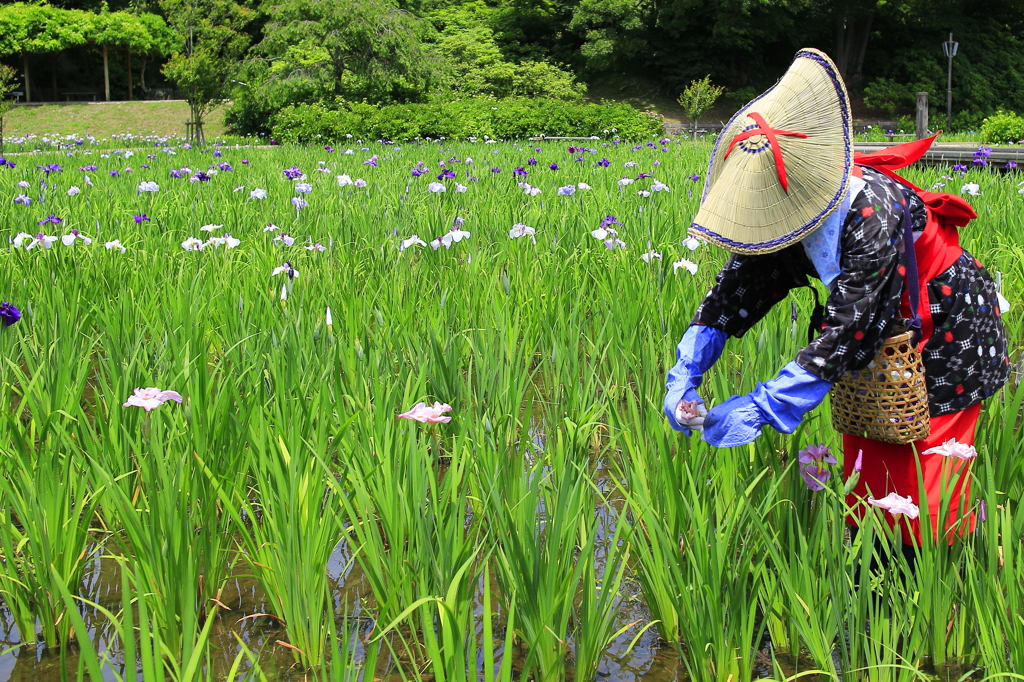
[(895, 505), (689, 266), (567, 191), (436, 187), (428, 415), (9, 313), (299, 203), (258, 193), (116, 244), (193, 244), (73, 236), (414, 240), (148, 187), (73, 190), (521, 230), (650, 255), (141, 218), (151, 398), (344, 180), (303, 188), (951, 448)]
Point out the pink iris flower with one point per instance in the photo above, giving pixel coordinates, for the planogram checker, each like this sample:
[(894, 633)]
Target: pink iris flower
[(151, 398), (895, 504), (953, 449), (428, 415)]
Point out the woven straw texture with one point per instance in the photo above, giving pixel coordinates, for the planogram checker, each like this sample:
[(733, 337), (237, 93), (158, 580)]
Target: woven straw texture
[(746, 208), (887, 400)]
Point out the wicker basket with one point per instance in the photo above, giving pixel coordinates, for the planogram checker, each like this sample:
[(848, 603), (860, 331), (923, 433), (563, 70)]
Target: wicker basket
[(888, 399)]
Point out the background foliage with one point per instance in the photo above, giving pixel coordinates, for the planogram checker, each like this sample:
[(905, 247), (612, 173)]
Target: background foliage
[(415, 51)]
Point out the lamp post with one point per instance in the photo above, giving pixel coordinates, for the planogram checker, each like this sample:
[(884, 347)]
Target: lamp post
[(949, 48)]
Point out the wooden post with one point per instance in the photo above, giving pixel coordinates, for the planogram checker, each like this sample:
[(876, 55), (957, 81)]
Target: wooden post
[(106, 75), (921, 129), (129, 74), (28, 90)]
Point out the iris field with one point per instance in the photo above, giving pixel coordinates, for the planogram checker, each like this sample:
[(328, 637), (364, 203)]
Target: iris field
[(282, 522)]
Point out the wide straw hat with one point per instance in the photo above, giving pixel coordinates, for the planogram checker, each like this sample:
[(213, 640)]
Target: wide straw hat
[(782, 163)]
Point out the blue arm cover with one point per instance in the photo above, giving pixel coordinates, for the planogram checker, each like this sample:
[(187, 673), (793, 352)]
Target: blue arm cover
[(780, 403), (696, 353)]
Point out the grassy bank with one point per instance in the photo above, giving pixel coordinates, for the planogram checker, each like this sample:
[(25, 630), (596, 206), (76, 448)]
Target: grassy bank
[(102, 119)]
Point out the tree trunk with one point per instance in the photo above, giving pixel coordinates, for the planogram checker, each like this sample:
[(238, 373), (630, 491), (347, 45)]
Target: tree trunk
[(142, 77), (853, 31), (129, 74), (28, 90), (53, 75), (106, 76), (862, 47)]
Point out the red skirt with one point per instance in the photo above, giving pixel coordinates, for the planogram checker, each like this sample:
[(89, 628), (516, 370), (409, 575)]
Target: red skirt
[(888, 468)]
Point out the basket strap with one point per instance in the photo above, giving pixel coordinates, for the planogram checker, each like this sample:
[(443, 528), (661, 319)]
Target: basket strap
[(913, 283)]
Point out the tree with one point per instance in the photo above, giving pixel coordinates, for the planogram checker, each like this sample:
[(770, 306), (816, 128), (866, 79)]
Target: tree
[(698, 97), (8, 81), (211, 44), (372, 41)]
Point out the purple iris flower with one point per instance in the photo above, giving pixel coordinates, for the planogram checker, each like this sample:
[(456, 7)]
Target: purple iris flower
[(141, 218), (114, 174), (553, 166), (50, 168), (984, 152), (23, 199), (644, 175), (604, 162), (90, 167), (175, 173), (9, 313), (520, 171), (50, 219), (979, 161), (531, 161), (446, 175), (1010, 165), (664, 140), (245, 162), (372, 161), (224, 166), (695, 177), (459, 222), (959, 167), (610, 220), (495, 170), (201, 176), (216, 153), (416, 172), (150, 156), (293, 173), (328, 148), (5, 162)]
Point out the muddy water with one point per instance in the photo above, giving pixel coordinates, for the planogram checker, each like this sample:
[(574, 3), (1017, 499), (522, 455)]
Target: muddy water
[(649, 659)]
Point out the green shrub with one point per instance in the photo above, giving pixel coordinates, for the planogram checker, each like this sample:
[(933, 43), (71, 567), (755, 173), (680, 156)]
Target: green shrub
[(887, 96), (1003, 126), (461, 119)]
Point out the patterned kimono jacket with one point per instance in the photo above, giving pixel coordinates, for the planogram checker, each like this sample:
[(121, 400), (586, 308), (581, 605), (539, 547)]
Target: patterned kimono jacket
[(965, 356)]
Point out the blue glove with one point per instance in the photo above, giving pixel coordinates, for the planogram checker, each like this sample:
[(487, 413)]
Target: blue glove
[(780, 403), (696, 353)]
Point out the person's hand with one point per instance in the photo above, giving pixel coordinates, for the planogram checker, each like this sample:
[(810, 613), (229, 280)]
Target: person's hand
[(688, 415), (696, 352), (737, 421)]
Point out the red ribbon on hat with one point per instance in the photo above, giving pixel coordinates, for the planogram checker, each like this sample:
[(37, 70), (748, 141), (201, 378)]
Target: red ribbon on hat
[(773, 141)]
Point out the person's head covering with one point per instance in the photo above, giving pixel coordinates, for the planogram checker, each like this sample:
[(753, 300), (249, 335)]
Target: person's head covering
[(782, 164)]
